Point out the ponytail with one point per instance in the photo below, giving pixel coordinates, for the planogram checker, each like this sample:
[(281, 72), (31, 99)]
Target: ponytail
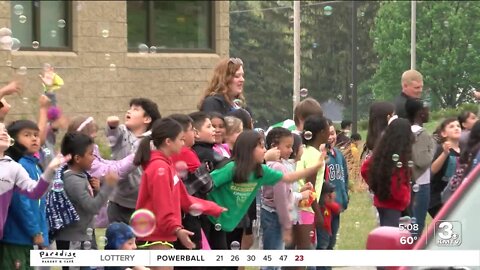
[(143, 153)]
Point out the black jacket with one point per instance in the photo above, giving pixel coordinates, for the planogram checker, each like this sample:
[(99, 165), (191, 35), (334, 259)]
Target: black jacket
[(216, 103), (400, 102)]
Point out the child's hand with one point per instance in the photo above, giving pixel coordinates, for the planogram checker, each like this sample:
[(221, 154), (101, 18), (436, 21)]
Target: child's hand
[(318, 220), (95, 183), (44, 101), (287, 236), (111, 178), (38, 240), (11, 88), (306, 194), (273, 154), (113, 121), (184, 238), (57, 161), (308, 185), (446, 147)]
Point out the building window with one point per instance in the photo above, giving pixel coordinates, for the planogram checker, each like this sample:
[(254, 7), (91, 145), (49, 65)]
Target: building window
[(171, 25), (46, 22)]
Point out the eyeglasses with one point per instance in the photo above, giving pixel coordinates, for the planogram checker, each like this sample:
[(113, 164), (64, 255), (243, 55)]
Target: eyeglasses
[(236, 61)]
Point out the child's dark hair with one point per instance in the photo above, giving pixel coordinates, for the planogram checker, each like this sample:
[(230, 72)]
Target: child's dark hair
[(398, 139), (356, 137), (162, 129), (473, 147), (150, 108), (314, 124), (437, 134), (199, 119), (17, 151), (462, 118), (243, 115), (216, 115), (275, 135), (345, 123), (75, 144), (377, 121), (297, 143), (412, 107), (184, 120), (243, 150)]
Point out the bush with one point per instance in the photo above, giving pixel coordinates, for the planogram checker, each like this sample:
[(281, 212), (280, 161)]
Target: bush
[(453, 112)]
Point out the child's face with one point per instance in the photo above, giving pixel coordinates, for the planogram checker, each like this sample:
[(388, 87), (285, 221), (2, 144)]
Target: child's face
[(135, 118), (285, 146), (472, 118), (4, 138), (259, 152), (29, 138), (323, 136), (85, 162), (332, 137), (452, 131), (232, 138), (206, 132), (189, 136), (299, 153), (129, 245), (175, 146), (220, 130)]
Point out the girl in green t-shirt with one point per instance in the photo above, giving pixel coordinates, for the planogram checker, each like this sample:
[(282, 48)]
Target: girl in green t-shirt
[(237, 183)]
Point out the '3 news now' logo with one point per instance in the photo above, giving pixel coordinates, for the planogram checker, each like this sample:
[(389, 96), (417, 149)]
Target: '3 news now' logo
[(448, 233)]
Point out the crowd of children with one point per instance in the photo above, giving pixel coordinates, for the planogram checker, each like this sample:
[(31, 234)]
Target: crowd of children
[(202, 175)]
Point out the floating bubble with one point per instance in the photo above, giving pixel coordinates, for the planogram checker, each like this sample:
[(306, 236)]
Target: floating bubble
[(410, 163), (446, 23), (395, 157), (315, 45), (143, 222), (357, 224), (260, 130), (470, 46), (35, 44), (235, 245), (102, 241), (153, 49), (18, 9), (22, 19), (444, 62), (112, 67), (53, 33), (377, 40), (142, 48), (57, 185), (399, 164), (182, 169), (218, 227), (18, 264), (89, 231), (351, 85), (107, 56), (415, 188), (308, 135), (362, 14), (161, 171), (238, 102), (6, 43), (405, 220), (8, 63), (105, 33), (4, 31), (16, 44), (327, 10), (87, 245), (25, 100), (291, 19), (196, 209), (22, 70), (304, 92), (475, 161), (61, 23), (312, 234), (217, 157)]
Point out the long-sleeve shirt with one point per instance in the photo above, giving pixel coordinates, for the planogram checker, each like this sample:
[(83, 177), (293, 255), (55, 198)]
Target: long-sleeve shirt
[(279, 198), (101, 166)]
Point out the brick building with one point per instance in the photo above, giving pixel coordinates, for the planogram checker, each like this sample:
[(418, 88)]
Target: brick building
[(96, 52)]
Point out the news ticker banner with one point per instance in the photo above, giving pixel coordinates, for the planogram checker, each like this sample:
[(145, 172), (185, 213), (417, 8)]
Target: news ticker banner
[(255, 258)]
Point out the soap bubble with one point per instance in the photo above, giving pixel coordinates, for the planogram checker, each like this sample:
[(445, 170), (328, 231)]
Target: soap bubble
[(143, 222), (107, 56), (405, 220), (4, 31), (218, 227), (415, 188), (395, 157), (6, 43), (327, 10), (414, 220), (195, 210), (18, 264), (142, 48), (9, 63), (87, 245), (304, 92), (410, 163), (35, 44), (446, 23), (102, 241), (399, 164), (105, 33), (22, 19), (57, 185), (22, 70), (25, 100), (470, 46), (18, 9), (53, 33), (235, 245), (16, 44), (153, 49), (89, 231), (61, 23), (444, 62), (291, 19), (238, 102), (308, 135), (357, 224), (113, 67), (312, 234)]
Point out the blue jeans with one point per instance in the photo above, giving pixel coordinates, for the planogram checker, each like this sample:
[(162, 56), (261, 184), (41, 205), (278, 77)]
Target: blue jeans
[(272, 236), (420, 206)]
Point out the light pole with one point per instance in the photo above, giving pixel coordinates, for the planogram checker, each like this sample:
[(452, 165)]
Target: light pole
[(296, 53), (354, 67), (413, 38)]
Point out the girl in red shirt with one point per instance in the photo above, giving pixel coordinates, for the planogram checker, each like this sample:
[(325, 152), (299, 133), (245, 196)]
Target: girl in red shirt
[(388, 174)]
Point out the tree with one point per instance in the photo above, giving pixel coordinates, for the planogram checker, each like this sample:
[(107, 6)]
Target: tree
[(447, 49)]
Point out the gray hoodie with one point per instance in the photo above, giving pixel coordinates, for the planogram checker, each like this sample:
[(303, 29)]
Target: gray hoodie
[(76, 186), (423, 150), (122, 143)]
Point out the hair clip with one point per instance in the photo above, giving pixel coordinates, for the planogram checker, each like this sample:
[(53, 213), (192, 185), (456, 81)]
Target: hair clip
[(85, 123), (392, 118)]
